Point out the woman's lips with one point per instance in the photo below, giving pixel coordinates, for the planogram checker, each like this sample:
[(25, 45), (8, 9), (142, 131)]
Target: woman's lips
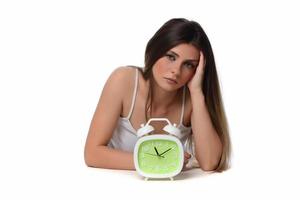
[(172, 81)]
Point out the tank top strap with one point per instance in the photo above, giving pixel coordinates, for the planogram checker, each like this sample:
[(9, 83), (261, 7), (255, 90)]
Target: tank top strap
[(134, 93), (182, 106)]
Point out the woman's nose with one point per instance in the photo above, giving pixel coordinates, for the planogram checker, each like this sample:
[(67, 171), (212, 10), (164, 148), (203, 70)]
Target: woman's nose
[(176, 70)]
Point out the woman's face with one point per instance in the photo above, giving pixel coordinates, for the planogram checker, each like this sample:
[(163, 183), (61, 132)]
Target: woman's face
[(176, 67)]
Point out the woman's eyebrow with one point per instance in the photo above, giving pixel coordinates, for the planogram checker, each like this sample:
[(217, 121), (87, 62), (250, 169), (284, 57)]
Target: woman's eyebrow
[(174, 53), (192, 60)]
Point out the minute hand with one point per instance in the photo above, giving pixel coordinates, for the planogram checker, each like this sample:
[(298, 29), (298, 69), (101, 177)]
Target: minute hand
[(165, 151)]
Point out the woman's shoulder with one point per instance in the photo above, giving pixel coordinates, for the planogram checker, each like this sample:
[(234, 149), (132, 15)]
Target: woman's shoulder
[(121, 74), (124, 72), (122, 79)]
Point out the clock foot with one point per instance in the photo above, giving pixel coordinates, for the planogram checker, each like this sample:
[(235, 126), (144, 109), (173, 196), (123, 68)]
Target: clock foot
[(171, 178), (146, 179)]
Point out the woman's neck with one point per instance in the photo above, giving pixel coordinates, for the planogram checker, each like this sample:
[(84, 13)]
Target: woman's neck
[(162, 100)]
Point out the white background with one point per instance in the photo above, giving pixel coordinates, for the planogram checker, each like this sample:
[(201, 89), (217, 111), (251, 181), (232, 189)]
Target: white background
[(55, 57)]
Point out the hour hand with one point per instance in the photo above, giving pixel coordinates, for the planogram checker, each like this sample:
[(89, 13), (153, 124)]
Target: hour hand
[(157, 152)]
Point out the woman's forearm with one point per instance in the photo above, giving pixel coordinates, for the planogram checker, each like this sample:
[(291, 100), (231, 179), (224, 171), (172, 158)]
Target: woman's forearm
[(208, 146), (105, 157)]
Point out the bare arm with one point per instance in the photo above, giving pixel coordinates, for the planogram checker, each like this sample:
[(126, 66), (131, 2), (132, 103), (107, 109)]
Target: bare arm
[(103, 157), (109, 108), (208, 146)]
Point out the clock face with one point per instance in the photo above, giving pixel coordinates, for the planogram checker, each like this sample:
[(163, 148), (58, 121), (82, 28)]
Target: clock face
[(159, 156)]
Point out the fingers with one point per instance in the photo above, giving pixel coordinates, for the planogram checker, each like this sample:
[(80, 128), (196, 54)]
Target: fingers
[(187, 156), (202, 59)]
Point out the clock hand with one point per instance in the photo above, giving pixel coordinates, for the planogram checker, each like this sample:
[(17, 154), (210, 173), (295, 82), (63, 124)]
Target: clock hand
[(165, 151), (157, 152), (153, 155)]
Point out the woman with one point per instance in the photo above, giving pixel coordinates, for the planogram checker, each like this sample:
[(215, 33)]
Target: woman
[(179, 82)]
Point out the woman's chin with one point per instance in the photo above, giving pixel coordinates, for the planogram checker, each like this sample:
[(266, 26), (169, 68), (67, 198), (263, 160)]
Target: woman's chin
[(170, 88)]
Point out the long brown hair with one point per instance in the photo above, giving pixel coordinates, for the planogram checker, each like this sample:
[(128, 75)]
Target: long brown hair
[(177, 31)]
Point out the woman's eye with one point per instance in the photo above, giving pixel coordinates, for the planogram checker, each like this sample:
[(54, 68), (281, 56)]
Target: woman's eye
[(171, 57), (189, 65)]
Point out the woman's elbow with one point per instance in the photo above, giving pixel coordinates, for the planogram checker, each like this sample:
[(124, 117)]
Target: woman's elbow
[(89, 158), (208, 168), (208, 165)]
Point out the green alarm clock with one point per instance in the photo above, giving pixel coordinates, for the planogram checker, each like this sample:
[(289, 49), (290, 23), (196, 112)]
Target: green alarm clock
[(158, 155)]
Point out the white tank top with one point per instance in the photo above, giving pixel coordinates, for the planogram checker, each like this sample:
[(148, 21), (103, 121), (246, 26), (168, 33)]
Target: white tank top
[(125, 137)]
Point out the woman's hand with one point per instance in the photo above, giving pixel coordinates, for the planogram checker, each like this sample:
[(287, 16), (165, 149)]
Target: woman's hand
[(195, 84), (187, 156)]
